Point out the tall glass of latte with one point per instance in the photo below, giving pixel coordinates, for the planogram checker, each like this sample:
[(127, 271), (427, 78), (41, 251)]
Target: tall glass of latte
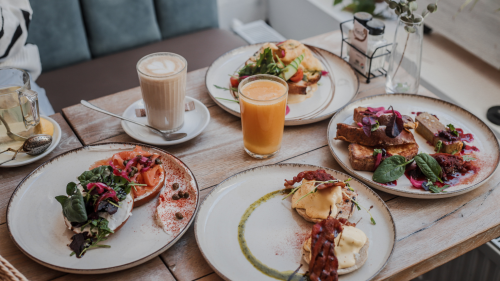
[(263, 107), (163, 86)]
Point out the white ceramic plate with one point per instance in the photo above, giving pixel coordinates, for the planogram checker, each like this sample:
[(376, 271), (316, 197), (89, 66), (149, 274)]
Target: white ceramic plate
[(25, 159), (195, 122), (35, 219), (335, 89), (484, 139), (274, 232)]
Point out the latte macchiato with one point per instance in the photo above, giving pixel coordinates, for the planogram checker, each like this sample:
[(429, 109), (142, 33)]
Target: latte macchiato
[(163, 87)]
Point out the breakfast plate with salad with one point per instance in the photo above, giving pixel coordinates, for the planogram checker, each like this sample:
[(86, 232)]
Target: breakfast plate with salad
[(294, 222), (413, 146), (103, 208), (319, 82)]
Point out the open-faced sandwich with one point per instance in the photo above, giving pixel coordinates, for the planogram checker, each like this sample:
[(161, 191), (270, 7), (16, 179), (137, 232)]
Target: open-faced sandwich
[(142, 168), (99, 205), (335, 247), (292, 61), (376, 135)]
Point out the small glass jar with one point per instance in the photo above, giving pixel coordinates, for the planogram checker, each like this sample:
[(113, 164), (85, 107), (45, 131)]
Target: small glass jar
[(376, 29), (362, 18)]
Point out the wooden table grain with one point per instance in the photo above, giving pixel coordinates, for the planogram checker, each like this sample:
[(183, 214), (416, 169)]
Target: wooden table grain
[(429, 232)]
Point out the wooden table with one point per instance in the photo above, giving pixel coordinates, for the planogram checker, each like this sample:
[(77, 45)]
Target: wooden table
[(429, 232)]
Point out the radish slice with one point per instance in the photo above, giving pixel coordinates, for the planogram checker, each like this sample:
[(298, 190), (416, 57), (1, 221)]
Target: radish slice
[(324, 73), (287, 110), (416, 183), (360, 125)]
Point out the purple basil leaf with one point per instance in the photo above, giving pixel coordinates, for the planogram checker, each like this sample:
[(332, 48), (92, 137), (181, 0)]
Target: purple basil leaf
[(367, 127), (395, 126)]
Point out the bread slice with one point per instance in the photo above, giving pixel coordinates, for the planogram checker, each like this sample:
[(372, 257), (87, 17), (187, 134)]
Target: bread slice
[(362, 159), (429, 128), (150, 195), (355, 134), (295, 97), (360, 258)]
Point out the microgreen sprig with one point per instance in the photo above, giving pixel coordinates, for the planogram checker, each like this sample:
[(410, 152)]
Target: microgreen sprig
[(361, 207)]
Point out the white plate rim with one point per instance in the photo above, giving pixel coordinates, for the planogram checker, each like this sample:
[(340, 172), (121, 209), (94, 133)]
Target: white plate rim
[(198, 103), (308, 167), (52, 146), (113, 268), (400, 192), (290, 122)]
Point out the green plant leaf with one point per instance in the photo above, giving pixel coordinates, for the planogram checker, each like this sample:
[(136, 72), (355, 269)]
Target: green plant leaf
[(425, 13), (73, 207), (413, 6), (336, 2), (429, 166), (436, 189), (390, 169), (410, 29), (71, 188)]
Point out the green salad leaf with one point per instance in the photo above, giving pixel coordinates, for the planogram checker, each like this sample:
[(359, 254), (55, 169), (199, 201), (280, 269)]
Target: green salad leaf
[(73, 206), (429, 166), (390, 169), (468, 158)]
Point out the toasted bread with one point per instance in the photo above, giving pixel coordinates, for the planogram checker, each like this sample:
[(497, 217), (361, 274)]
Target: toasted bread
[(429, 128), (148, 196), (354, 134), (383, 119), (361, 258), (362, 159), (297, 98)]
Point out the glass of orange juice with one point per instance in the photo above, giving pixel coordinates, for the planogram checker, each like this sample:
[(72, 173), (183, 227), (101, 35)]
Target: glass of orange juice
[(262, 105)]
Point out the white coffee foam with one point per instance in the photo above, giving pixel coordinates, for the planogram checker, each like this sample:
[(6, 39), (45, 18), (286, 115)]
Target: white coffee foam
[(161, 65)]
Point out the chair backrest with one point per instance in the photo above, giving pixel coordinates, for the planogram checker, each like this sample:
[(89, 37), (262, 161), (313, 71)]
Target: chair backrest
[(71, 31)]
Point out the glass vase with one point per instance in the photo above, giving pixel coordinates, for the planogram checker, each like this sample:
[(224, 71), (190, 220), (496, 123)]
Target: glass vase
[(403, 72)]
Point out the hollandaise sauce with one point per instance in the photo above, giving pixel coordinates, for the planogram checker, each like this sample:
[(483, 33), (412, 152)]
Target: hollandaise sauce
[(281, 275)]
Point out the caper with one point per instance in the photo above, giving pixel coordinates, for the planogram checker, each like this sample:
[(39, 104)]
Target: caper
[(186, 194), (179, 216), (125, 162), (134, 169), (175, 186), (139, 156), (175, 197), (180, 193), (158, 162)]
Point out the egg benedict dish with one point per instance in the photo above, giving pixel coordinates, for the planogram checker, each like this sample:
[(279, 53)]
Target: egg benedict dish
[(290, 60), (320, 195), (335, 247)]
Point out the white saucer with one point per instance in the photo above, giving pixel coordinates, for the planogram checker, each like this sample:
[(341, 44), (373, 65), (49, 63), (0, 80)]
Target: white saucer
[(23, 158), (195, 122)]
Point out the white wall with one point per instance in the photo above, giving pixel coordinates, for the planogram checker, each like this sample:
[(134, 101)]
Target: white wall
[(299, 19), (244, 10)]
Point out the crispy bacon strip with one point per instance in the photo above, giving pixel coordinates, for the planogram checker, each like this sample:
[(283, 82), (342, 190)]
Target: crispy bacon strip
[(324, 264)]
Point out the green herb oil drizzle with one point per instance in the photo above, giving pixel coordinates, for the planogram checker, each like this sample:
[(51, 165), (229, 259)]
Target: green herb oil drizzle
[(281, 275)]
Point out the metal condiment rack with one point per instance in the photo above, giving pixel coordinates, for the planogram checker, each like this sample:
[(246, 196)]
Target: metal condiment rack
[(380, 72)]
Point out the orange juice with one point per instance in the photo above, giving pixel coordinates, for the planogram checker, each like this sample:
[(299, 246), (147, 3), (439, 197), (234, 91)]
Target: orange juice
[(263, 106)]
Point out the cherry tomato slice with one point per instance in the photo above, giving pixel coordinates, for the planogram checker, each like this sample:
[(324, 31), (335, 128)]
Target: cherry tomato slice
[(297, 76), (234, 81)]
